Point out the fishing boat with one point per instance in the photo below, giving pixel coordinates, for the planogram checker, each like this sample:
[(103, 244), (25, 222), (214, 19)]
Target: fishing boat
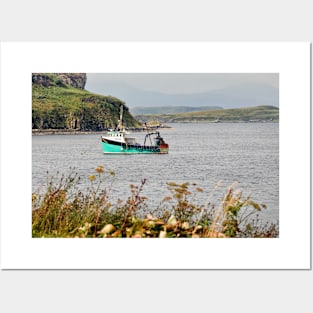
[(120, 141)]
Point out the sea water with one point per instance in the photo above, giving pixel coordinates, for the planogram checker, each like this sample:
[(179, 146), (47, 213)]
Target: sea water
[(211, 155)]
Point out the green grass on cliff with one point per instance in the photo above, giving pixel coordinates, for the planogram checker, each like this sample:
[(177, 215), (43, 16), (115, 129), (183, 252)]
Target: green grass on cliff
[(259, 113), (61, 106)]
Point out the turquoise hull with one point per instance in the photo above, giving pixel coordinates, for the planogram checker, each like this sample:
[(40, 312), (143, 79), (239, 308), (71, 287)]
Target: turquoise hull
[(123, 149)]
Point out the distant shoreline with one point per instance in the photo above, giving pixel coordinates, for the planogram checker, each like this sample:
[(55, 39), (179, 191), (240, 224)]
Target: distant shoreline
[(40, 132)]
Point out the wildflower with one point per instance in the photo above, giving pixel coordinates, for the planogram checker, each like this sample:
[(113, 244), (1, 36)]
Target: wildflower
[(185, 225), (106, 229), (99, 169), (162, 234), (92, 177), (86, 227), (172, 220)]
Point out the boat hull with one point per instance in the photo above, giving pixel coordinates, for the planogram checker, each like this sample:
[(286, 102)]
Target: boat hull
[(121, 148)]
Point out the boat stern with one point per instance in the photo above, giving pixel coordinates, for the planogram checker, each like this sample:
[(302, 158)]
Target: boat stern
[(164, 148)]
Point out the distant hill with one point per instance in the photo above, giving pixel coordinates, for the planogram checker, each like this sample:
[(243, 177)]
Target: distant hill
[(237, 96), (59, 101), (170, 109), (252, 114)]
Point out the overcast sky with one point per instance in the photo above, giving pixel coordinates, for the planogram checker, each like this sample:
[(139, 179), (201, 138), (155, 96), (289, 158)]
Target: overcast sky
[(179, 83)]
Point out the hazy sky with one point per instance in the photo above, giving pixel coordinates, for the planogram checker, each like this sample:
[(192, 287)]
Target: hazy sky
[(180, 83)]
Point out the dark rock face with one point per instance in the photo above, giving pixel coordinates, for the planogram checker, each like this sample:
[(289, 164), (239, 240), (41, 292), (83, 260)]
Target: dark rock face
[(76, 80), (41, 79)]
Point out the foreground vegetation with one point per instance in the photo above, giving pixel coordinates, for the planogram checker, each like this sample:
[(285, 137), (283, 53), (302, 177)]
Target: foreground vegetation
[(65, 211), (253, 114)]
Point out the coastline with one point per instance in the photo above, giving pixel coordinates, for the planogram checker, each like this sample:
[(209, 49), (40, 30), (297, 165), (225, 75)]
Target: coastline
[(41, 132)]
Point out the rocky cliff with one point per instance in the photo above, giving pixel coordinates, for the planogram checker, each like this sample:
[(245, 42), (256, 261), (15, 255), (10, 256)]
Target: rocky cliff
[(59, 101), (76, 80)]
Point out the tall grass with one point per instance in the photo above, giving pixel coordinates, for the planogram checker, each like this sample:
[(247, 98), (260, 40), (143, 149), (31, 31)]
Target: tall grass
[(65, 211)]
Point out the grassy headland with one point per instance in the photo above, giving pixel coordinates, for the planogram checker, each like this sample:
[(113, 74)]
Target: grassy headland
[(65, 211), (60, 104), (253, 114)]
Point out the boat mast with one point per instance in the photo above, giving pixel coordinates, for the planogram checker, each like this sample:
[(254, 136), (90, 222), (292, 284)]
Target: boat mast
[(120, 122)]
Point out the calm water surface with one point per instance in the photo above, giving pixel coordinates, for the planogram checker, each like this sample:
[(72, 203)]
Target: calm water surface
[(206, 154)]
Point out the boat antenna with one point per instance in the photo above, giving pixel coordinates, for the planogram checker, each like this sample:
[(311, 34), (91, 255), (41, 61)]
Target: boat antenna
[(147, 127)]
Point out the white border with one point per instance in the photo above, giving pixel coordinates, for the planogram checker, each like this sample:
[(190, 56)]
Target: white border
[(290, 251)]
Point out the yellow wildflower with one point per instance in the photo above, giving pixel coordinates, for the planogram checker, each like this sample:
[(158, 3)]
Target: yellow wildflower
[(99, 169)]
